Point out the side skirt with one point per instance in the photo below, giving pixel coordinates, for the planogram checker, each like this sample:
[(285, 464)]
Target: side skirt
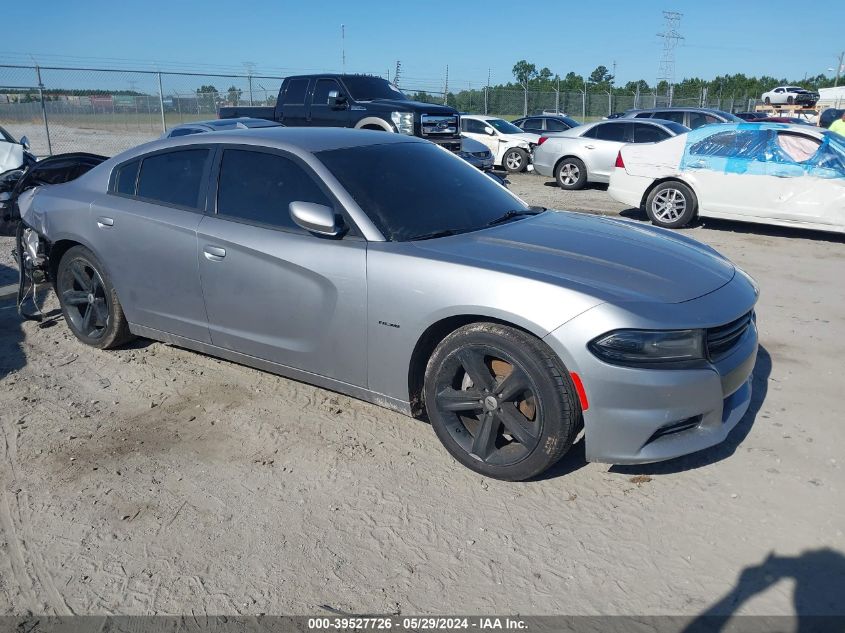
[(378, 399)]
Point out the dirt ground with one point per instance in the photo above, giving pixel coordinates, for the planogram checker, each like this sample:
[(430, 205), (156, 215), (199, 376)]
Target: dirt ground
[(155, 480)]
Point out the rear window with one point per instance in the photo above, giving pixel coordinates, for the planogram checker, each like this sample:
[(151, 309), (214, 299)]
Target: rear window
[(127, 175), (609, 132), (173, 177)]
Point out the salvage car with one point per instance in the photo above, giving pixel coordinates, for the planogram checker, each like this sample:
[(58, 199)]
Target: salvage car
[(511, 146), (586, 153), (380, 266), (14, 154), (769, 173), (790, 95), (545, 124)]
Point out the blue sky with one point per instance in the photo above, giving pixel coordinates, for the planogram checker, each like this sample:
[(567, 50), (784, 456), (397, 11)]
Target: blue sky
[(771, 37)]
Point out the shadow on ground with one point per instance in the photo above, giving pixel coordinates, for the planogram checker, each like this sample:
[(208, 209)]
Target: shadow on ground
[(575, 458)]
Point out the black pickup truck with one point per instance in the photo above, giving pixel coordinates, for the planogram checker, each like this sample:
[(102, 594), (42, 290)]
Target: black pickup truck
[(357, 101)]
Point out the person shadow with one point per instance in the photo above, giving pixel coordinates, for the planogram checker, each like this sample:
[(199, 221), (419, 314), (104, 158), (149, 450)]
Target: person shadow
[(818, 597)]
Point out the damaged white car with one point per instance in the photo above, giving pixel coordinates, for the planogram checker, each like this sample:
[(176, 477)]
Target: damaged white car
[(13, 154), (769, 173), (511, 146)]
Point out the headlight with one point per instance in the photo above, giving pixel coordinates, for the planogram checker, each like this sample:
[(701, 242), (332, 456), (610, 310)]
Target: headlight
[(644, 347), (404, 122)]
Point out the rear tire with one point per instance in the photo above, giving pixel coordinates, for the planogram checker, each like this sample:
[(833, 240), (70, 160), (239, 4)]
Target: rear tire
[(790, 100), (671, 204), (515, 160), (570, 174), (500, 401), (89, 301)]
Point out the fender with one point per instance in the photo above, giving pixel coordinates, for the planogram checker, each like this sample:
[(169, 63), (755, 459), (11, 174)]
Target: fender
[(374, 120)]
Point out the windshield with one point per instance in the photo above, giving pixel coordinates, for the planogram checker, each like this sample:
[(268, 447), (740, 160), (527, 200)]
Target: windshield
[(411, 190), (363, 88), (503, 126)]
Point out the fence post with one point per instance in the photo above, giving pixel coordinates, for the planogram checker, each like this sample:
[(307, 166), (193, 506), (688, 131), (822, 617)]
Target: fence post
[(525, 101), (249, 77), (43, 109), (161, 105), (486, 88), (609, 102)]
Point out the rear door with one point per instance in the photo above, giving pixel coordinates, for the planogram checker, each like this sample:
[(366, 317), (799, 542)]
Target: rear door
[(272, 290), (323, 111), (294, 111), (600, 145), (146, 237)]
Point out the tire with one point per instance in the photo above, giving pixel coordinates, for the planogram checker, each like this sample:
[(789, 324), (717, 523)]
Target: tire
[(513, 434), (790, 100), (89, 301), (671, 204), (768, 101), (570, 174), (515, 160)]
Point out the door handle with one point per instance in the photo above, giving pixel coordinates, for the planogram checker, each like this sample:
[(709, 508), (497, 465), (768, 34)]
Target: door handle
[(589, 147), (103, 222), (214, 253)]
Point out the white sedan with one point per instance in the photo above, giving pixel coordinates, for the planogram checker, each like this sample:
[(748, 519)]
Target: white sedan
[(511, 147), (770, 173)]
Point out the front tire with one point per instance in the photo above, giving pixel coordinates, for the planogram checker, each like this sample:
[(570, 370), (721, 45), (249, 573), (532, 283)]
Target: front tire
[(671, 205), (515, 160), (500, 401), (89, 301), (570, 174), (768, 101), (790, 100)]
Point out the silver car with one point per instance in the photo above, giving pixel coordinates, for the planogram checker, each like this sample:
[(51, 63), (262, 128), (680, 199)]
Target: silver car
[(380, 266), (587, 153)]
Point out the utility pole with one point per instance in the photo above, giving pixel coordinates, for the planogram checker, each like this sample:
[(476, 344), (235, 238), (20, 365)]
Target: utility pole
[(250, 69), (396, 74), (671, 37), (486, 91), (446, 87), (343, 47)]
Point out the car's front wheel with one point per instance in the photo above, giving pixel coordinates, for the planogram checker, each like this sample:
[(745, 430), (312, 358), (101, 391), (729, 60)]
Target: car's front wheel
[(768, 101), (671, 205), (515, 160), (88, 300), (571, 173), (501, 401)]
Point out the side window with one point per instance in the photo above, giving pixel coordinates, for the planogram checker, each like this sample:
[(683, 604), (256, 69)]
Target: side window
[(645, 115), (258, 187), (797, 147), (611, 132), (671, 115), (697, 119), (322, 90), (173, 177), (553, 125), (520, 122), (127, 175), (533, 124), (295, 92), (473, 126), (746, 144), (644, 133)]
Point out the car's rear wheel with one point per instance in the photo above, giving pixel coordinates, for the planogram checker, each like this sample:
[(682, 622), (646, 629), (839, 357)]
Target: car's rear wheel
[(790, 100), (89, 301), (515, 160), (500, 401), (571, 173), (671, 205)]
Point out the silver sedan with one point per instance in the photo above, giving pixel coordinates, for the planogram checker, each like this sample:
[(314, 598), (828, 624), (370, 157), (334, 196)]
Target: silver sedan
[(380, 266)]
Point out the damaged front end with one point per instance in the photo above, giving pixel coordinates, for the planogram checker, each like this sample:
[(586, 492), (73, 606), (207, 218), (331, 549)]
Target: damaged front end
[(32, 250)]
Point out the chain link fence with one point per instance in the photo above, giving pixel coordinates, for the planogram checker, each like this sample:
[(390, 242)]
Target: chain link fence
[(107, 111)]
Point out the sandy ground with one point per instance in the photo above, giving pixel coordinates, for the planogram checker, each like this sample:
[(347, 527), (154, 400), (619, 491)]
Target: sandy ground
[(156, 480)]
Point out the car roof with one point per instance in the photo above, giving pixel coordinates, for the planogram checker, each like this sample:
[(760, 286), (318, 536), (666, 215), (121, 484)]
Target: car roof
[(218, 124), (812, 130), (313, 139)]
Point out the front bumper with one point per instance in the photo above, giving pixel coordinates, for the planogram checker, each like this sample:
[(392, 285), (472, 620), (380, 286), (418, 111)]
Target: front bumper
[(641, 415)]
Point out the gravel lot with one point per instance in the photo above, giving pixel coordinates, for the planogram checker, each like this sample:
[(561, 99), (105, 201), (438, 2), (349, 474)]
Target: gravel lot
[(156, 480)]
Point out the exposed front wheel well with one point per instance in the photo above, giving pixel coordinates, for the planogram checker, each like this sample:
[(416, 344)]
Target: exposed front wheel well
[(55, 254), (426, 345)]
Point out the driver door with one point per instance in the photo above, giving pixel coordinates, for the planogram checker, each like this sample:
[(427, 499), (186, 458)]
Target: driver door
[(273, 290), (324, 110), (477, 130)]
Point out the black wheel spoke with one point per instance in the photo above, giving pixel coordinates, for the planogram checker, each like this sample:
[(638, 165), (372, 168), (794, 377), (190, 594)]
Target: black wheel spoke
[(78, 272), (75, 297), (101, 312), (513, 384), (86, 319), (453, 400), (517, 424), (484, 442), (473, 364)]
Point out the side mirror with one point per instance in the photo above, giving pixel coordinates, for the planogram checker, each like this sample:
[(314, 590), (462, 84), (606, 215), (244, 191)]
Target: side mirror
[(335, 98), (489, 130), (316, 218), (25, 142)]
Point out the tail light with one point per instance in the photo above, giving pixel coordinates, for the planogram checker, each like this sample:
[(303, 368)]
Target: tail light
[(542, 140), (619, 162)]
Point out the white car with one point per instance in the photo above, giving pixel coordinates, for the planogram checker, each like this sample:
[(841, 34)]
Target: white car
[(771, 173), (586, 153), (511, 146), (12, 152), (790, 95)]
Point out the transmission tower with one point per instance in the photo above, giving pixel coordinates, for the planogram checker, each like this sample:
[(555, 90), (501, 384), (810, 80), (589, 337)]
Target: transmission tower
[(671, 37), (397, 73)]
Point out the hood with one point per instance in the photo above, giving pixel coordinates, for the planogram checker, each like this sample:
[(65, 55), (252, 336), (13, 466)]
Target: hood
[(11, 156), (613, 260), (411, 106)]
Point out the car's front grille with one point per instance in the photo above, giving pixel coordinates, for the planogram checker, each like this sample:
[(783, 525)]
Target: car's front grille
[(722, 339), (439, 124)]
